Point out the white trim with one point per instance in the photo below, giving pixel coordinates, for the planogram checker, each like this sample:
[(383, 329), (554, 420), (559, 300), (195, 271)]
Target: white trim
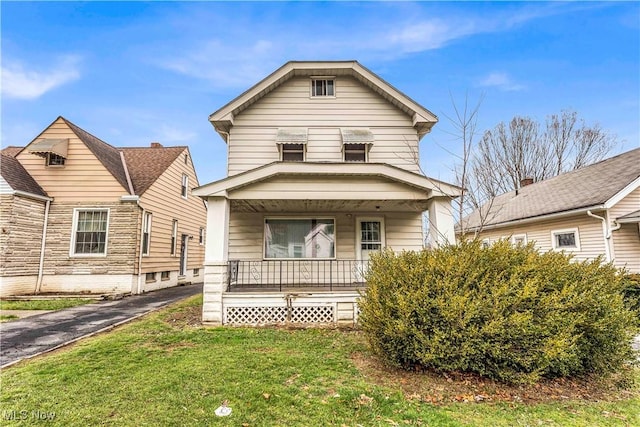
[(74, 232), (622, 193), (303, 217), (519, 236), (31, 196), (535, 219), (576, 248), (358, 236), (146, 226), (432, 187), (184, 184)]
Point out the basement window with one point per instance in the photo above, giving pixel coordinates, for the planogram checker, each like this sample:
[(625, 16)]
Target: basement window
[(150, 277)]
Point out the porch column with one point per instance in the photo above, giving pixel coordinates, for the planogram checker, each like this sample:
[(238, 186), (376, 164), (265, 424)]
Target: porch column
[(215, 262), (441, 225)]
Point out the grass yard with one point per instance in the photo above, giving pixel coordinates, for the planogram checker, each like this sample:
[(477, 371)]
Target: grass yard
[(167, 370), (48, 304)]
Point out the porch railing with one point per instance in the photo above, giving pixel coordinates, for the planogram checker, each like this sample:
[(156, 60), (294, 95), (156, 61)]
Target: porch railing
[(279, 274)]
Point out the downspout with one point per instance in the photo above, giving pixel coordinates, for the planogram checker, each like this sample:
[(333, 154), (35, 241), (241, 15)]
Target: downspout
[(605, 232), (42, 246)]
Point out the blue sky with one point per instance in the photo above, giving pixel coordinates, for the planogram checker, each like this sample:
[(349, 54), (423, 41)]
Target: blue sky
[(134, 72)]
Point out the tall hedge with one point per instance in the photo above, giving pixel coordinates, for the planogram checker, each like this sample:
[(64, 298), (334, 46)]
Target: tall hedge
[(504, 312)]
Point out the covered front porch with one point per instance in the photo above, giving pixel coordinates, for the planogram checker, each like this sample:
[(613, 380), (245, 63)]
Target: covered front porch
[(285, 245)]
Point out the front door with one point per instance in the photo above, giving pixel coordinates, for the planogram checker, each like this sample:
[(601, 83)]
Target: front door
[(183, 254), (369, 239)]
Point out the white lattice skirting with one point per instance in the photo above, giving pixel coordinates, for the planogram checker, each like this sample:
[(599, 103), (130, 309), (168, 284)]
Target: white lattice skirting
[(257, 309)]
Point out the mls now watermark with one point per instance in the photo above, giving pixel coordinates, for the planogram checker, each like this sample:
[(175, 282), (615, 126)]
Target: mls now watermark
[(36, 415)]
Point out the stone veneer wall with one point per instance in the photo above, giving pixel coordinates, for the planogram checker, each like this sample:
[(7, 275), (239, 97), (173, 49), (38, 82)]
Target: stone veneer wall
[(21, 221)]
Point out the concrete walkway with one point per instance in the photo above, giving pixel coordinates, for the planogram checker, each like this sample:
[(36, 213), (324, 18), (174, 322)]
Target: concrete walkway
[(31, 336)]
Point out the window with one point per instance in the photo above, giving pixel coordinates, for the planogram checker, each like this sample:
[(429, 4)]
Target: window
[(322, 87), (174, 236), (201, 238), (565, 239), (55, 160), (355, 152), (299, 238), (89, 237), (150, 277), (196, 272), (519, 239), (292, 152), (186, 159), (164, 275), (146, 233), (185, 185), (485, 243)]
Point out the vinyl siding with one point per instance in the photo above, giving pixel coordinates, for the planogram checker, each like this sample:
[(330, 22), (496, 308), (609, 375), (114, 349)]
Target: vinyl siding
[(589, 233), (82, 178), (626, 240), (403, 231), (164, 200), (252, 142)]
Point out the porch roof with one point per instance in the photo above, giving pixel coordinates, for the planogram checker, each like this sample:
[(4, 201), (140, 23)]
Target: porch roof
[(309, 170)]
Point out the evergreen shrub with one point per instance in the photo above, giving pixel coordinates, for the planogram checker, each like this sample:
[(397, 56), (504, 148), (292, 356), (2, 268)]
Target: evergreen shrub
[(505, 312)]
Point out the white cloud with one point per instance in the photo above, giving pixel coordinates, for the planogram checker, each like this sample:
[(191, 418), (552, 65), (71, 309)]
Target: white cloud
[(21, 83), (224, 63), (501, 81)]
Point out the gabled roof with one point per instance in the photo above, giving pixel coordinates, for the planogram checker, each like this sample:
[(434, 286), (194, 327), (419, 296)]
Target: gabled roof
[(17, 176), (269, 171), (597, 186), (108, 155), (423, 119), (146, 164), (140, 165), (11, 150)]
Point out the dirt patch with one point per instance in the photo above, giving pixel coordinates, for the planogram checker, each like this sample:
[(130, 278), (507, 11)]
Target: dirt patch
[(185, 317), (437, 389)]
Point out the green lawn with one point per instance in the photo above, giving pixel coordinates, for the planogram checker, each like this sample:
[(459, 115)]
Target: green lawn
[(49, 304), (166, 370)]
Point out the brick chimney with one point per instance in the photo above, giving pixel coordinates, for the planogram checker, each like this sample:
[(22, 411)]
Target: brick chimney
[(156, 145), (526, 181)]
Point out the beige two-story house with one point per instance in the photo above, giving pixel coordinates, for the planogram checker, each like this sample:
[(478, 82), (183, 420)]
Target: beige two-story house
[(591, 212), (82, 216), (322, 171)]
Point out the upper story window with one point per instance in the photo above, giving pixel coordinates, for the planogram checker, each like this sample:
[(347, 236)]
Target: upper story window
[(292, 144), (322, 86), (565, 239), (146, 233), (89, 235), (185, 186), (55, 160), (292, 152), (356, 144)]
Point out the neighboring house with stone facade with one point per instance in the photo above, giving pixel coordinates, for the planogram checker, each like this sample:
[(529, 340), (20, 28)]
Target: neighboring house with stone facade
[(322, 170), (590, 212), (79, 215)]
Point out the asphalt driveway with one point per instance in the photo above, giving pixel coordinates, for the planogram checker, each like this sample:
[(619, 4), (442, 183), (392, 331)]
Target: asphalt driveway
[(30, 336)]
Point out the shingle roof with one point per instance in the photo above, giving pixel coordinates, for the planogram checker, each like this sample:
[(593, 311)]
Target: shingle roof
[(17, 176), (11, 150), (146, 164), (586, 187), (108, 155)]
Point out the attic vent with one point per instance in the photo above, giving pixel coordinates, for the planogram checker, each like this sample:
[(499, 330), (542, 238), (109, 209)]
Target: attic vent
[(356, 136), (291, 136)]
